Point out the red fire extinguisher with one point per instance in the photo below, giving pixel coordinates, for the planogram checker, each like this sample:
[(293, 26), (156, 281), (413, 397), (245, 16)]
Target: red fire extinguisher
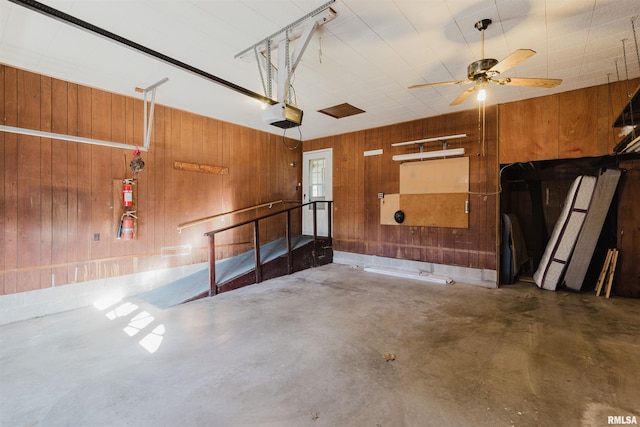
[(127, 225), (127, 193)]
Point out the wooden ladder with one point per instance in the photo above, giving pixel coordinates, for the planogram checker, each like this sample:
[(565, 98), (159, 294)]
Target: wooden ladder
[(607, 272)]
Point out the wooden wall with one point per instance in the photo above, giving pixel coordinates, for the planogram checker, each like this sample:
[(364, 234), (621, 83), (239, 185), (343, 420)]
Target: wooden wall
[(566, 125), (56, 195), (358, 180)]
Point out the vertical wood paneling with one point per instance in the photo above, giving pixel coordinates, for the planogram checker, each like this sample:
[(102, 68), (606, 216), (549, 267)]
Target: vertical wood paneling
[(139, 244), (158, 170), (233, 139), (131, 138), (84, 210), (119, 169), (29, 199), (46, 185), (605, 132), (347, 166), (529, 130), (2, 207), (101, 177), (59, 177), (3, 212), (571, 124), (199, 210), (73, 167), (578, 124), (150, 199), (167, 169), (184, 183)]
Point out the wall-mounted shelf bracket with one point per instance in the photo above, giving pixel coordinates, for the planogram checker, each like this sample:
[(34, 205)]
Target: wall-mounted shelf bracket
[(430, 154), (148, 118)]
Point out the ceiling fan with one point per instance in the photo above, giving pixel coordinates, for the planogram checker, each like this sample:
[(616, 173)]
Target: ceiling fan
[(486, 70)]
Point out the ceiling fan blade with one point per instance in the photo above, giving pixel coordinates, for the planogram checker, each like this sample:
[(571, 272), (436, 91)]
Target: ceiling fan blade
[(464, 95), (521, 81), (458, 82), (511, 61)]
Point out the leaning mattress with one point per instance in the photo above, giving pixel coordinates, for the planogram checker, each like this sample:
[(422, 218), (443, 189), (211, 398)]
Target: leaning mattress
[(593, 222), (565, 233)]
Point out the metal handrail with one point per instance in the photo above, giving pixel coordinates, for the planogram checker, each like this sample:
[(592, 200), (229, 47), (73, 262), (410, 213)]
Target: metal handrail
[(256, 240), (237, 211)]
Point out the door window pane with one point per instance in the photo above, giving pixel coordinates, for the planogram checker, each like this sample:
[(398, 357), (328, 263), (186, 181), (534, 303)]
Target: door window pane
[(316, 182)]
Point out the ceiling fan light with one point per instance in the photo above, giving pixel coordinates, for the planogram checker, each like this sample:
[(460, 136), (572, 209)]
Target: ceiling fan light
[(482, 95)]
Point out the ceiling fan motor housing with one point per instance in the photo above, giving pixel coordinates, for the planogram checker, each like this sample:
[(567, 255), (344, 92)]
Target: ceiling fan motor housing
[(480, 68)]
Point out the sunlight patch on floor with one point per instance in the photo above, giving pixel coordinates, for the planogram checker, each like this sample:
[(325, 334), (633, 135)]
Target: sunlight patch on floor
[(152, 341)]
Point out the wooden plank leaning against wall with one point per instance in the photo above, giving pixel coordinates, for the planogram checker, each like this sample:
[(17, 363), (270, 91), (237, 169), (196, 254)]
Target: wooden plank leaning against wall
[(356, 207), (56, 195)]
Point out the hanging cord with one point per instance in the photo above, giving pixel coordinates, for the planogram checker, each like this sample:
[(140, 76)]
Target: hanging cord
[(620, 90), (609, 91), (284, 142), (499, 181), (626, 69), (611, 107), (479, 129), (610, 94), (484, 126), (635, 40)]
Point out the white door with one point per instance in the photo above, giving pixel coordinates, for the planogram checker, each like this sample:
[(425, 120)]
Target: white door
[(316, 186)]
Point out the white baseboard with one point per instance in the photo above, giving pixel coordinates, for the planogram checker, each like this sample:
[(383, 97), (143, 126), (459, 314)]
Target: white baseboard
[(473, 276)]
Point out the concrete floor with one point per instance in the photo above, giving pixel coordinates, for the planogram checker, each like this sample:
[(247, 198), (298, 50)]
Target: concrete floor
[(308, 350)]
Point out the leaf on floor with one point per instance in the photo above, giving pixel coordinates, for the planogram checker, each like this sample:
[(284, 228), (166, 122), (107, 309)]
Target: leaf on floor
[(389, 356)]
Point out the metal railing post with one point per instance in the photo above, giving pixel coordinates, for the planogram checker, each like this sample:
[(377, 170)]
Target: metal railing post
[(212, 265), (315, 221), (289, 249), (315, 234), (256, 250), (330, 209)]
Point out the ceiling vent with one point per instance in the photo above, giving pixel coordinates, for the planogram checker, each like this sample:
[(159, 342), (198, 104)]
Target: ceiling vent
[(340, 111)]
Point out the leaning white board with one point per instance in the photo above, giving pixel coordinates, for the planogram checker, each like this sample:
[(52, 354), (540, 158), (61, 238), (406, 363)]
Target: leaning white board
[(588, 239)]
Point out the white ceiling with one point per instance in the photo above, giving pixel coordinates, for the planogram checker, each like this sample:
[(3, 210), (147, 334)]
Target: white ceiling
[(367, 56)]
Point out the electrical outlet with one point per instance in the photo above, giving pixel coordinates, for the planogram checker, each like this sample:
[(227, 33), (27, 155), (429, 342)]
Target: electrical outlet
[(96, 237), (380, 195)]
